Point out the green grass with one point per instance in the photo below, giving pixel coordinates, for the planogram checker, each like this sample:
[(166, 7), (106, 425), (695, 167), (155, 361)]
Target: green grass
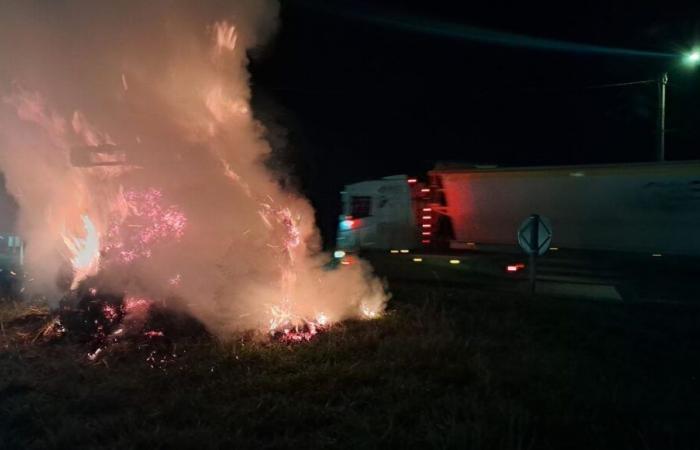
[(447, 368)]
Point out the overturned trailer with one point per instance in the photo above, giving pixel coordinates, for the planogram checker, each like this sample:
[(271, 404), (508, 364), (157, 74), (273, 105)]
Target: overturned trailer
[(643, 207)]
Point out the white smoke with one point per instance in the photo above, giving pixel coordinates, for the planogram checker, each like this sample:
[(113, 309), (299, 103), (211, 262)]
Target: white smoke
[(166, 83)]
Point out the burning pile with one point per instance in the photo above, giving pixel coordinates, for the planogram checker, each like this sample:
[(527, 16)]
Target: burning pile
[(104, 322), (136, 160)]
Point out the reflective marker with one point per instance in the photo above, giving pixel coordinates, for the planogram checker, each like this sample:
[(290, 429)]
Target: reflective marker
[(417, 259), (404, 251), (394, 251), (454, 261)]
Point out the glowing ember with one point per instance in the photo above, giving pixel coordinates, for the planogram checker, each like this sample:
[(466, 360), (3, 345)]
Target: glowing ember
[(288, 224), (293, 336), (153, 333), (110, 312), (148, 222), (85, 252), (133, 304), (289, 329), (280, 317), (93, 356)]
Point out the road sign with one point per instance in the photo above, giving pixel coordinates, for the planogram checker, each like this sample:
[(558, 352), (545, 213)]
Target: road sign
[(535, 235)]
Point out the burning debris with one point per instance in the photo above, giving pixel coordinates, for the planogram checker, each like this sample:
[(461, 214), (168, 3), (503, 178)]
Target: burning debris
[(145, 222), (299, 333), (167, 199), (103, 322)]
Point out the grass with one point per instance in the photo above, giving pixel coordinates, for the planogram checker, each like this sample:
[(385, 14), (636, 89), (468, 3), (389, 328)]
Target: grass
[(445, 368)]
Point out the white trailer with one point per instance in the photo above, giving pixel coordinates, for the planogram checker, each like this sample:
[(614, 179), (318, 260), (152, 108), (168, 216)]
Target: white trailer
[(643, 207), (647, 207)]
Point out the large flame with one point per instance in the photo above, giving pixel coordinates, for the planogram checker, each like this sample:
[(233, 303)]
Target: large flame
[(169, 174), (84, 252)]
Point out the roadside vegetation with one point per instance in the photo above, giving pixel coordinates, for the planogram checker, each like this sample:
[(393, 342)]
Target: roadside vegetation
[(444, 368)]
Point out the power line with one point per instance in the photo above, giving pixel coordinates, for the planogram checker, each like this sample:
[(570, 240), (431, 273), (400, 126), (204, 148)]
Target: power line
[(610, 85), (502, 87)]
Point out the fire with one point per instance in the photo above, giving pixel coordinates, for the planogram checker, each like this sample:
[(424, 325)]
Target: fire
[(93, 355), (369, 312), (322, 319), (110, 312), (301, 332), (222, 107), (175, 280), (226, 36), (85, 252), (133, 304), (182, 206), (280, 317), (153, 333), (147, 223)]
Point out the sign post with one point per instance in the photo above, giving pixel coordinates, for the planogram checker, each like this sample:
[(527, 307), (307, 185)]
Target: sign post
[(534, 237)]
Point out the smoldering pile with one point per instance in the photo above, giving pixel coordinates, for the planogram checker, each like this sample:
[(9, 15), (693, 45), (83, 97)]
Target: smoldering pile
[(105, 325)]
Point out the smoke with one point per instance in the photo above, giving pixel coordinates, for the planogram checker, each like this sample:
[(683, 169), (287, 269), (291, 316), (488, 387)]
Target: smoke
[(189, 214)]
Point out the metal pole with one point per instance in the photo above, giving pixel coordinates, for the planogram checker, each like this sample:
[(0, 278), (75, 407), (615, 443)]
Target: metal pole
[(533, 272), (661, 126), (534, 242)]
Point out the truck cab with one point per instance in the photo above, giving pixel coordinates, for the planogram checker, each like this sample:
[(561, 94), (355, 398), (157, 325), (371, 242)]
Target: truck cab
[(378, 215)]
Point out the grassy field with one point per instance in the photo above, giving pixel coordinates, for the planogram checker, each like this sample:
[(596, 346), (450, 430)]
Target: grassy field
[(445, 368)]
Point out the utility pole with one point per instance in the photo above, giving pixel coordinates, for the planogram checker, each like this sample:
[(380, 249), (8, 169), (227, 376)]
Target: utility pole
[(661, 123)]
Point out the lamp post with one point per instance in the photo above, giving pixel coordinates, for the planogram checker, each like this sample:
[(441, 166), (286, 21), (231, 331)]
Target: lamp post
[(661, 125), (691, 59)]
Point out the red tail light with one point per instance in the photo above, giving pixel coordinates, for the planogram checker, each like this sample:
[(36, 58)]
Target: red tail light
[(515, 267)]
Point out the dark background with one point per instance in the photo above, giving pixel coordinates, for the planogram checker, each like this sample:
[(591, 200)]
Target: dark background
[(347, 98)]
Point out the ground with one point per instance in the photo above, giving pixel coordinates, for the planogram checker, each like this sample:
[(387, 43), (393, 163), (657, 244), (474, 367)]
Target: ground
[(447, 367)]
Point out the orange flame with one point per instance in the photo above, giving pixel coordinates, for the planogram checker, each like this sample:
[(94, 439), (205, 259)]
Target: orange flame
[(85, 252), (226, 35)]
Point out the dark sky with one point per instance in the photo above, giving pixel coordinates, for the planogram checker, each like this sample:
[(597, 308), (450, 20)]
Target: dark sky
[(362, 98)]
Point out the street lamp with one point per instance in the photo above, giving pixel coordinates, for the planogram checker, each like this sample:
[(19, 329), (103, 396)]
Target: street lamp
[(692, 59)]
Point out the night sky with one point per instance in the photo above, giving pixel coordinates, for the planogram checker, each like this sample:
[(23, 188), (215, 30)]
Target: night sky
[(353, 90)]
